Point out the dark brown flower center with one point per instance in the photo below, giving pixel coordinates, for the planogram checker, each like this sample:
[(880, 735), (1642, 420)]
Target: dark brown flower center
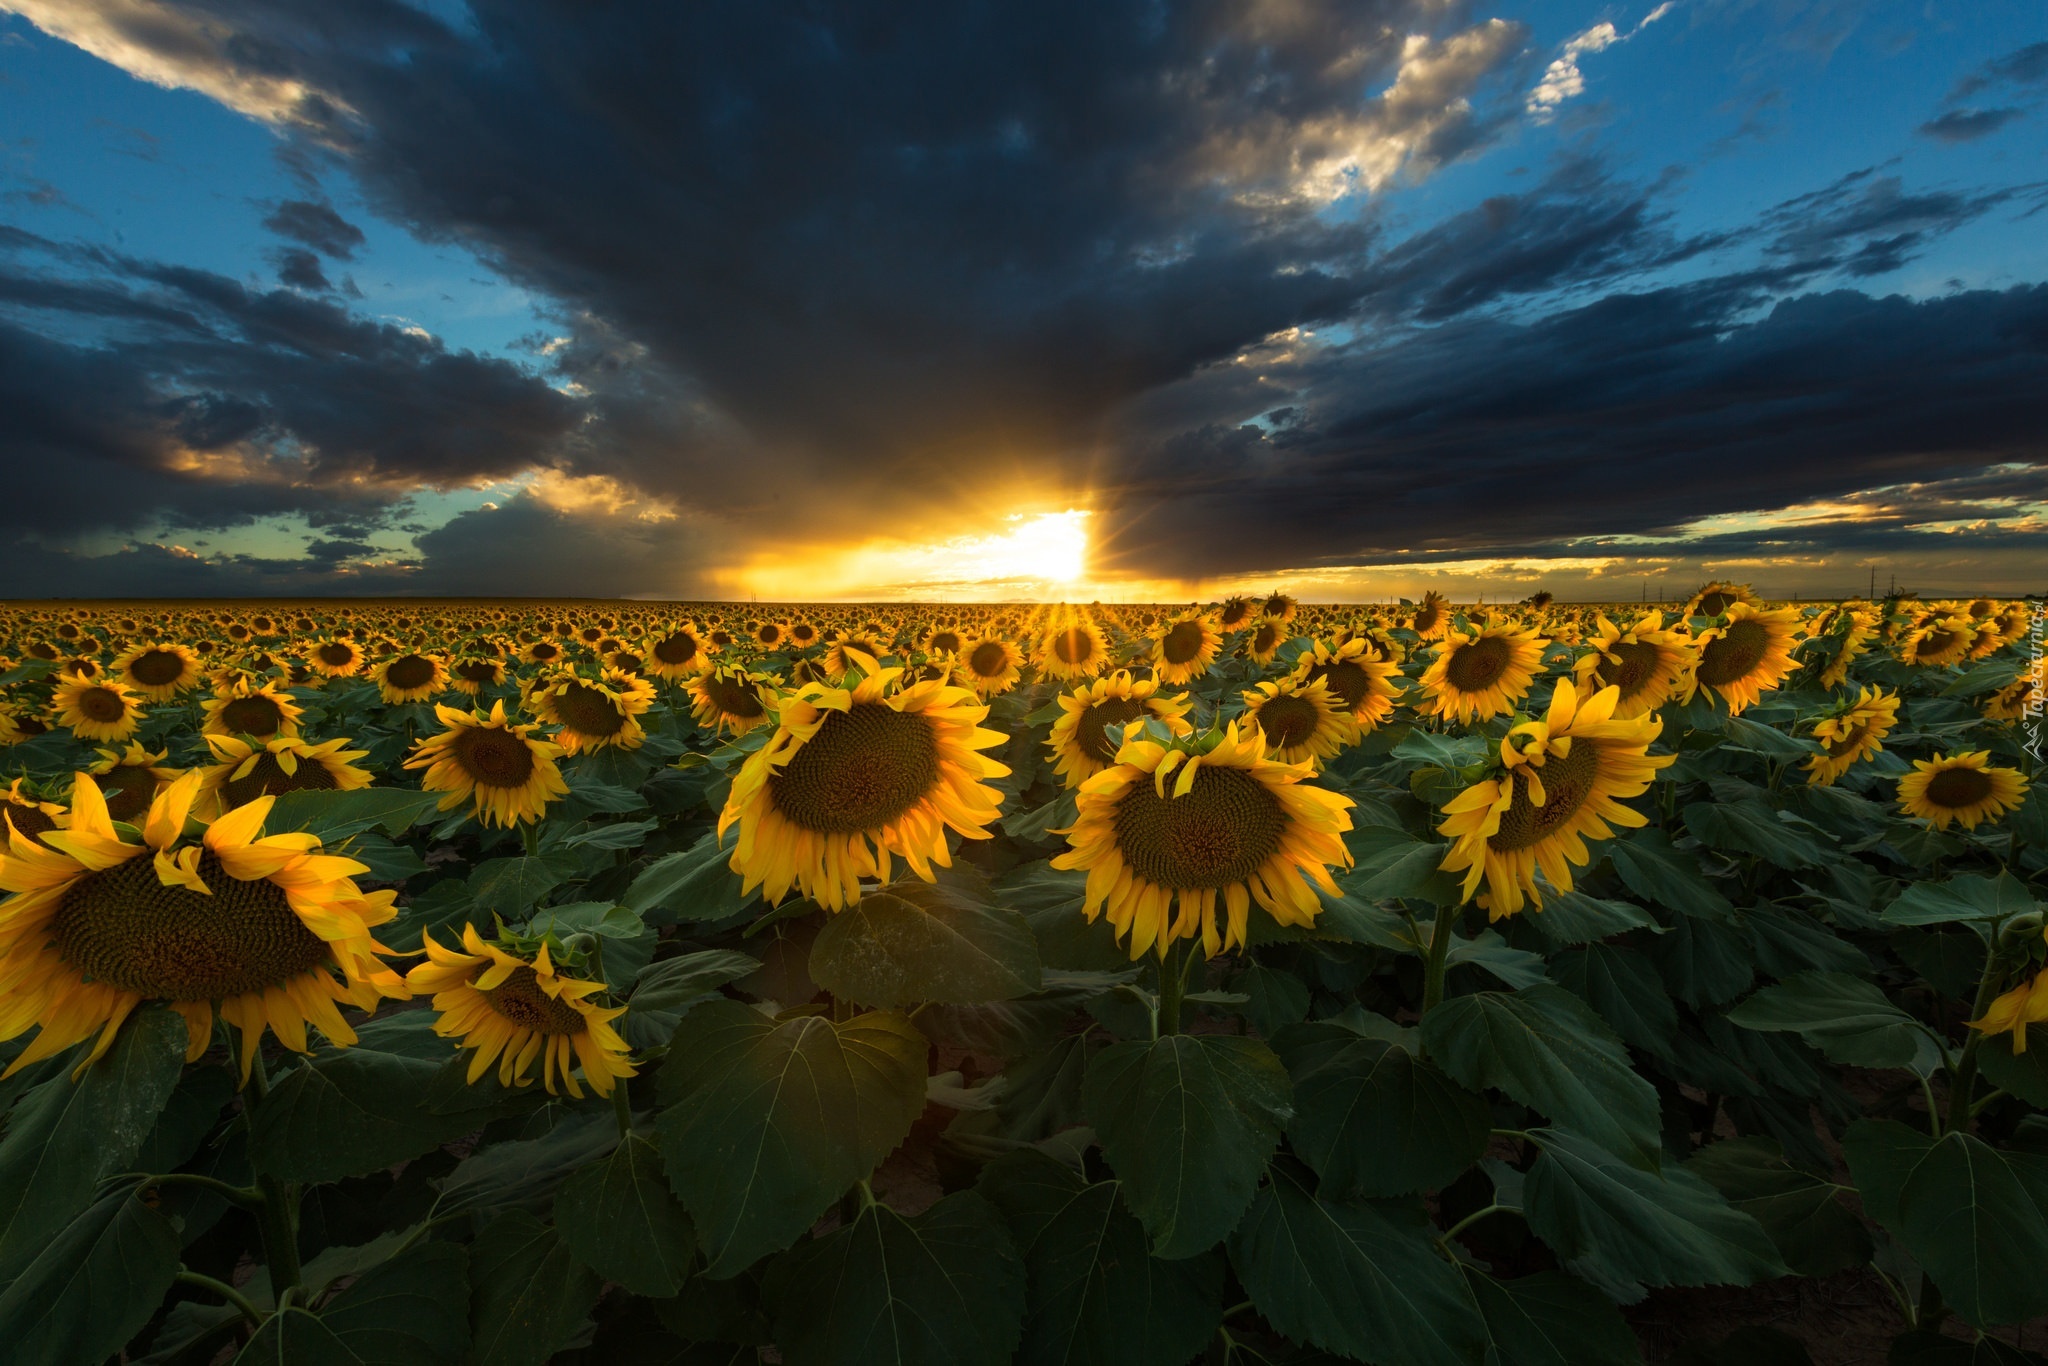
[(1288, 720), (587, 711), (1346, 680), (1091, 732), (125, 928), (1715, 603), (863, 769), (1478, 665), (1955, 788), (1220, 833), (734, 697), (268, 778), (1183, 642), (102, 705), (259, 716), (988, 659), (1567, 781), (1851, 738), (1073, 646), (1735, 653), (410, 671), (477, 671), (32, 820), (493, 756), (520, 999), (544, 650), (1636, 667), (1266, 637), (336, 655), (1935, 643), (157, 668), (1427, 616), (945, 642)]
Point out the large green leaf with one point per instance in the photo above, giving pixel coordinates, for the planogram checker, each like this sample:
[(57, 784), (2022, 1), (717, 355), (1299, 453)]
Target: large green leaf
[(1975, 1217), (91, 1286), (527, 1172), (1097, 1297), (349, 1112), (1551, 1319), (1664, 876), (621, 1220), (2023, 1074), (1546, 1048), (1623, 987), (513, 888), (1627, 1228), (528, 1294), (696, 884), (1813, 1230), (674, 983), (1187, 1123), (1373, 1119), (1751, 828), (943, 1289), (1703, 962), (1964, 898), (1363, 1279), (408, 1311), (295, 1337), (64, 1137), (1575, 918), (334, 816), (913, 942), (1845, 1017), (766, 1123)]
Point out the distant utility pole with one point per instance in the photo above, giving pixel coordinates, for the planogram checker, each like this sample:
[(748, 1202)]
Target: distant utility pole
[(1873, 584)]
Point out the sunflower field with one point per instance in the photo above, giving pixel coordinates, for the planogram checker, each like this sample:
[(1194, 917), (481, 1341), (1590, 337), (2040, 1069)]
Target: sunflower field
[(415, 983)]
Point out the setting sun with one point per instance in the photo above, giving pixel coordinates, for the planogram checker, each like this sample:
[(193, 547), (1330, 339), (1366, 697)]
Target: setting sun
[(1035, 555)]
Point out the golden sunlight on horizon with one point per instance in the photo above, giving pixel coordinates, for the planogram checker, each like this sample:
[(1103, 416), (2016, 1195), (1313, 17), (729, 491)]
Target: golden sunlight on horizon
[(1038, 555)]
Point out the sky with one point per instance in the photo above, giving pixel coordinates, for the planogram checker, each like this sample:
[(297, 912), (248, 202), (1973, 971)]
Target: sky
[(972, 301)]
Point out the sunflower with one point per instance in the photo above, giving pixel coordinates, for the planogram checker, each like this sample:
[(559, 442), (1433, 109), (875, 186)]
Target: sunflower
[(1938, 642), (473, 674), (158, 671), (510, 774), (2026, 1004), (990, 666), (1480, 672), (336, 658), (410, 677), (266, 931), (1073, 647), (130, 779), (1265, 641), (244, 771), (1564, 780), (1302, 722), (542, 652), (1432, 616), (845, 654), (1185, 649), (1235, 613), (730, 700), (514, 1007), (1646, 662), (1209, 818), (96, 711), (767, 635), (851, 777), (1717, 597), (2010, 703), (944, 640), (1745, 654), (246, 708), (1961, 787), (1357, 673), (803, 635), (1849, 732), (28, 813), (594, 714), (1080, 741), (1278, 607), (1844, 635)]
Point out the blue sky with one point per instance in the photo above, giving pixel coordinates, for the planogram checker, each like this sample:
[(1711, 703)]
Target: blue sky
[(645, 343)]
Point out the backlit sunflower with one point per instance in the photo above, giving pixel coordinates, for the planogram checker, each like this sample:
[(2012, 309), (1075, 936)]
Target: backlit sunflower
[(730, 700), (96, 711), (514, 1008), (1563, 781), (253, 709), (852, 776), (245, 770), (1079, 740), (1168, 834), (1235, 614), (1745, 653), (990, 666), (1265, 641), (1432, 616), (846, 653), (1071, 648), (269, 932), (472, 675), (1646, 662), (29, 813), (410, 677), (1939, 641), (593, 714), (130, 778), (542, 652), (1717, 597), (1965, 788), (508, 771), (2010, 702), (2026, 1004), (1844, 634), (1302, 722), (766, 635), (1481, 672), (1279, 607), (1850, 732), (1358, 674), (158, 671), (1185, 649), (335, 658)]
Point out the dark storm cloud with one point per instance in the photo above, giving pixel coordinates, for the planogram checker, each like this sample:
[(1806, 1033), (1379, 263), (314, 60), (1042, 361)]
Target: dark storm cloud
[(1967, 125), (317, 226), (301, 270), (1866, 223), (2022, 72)]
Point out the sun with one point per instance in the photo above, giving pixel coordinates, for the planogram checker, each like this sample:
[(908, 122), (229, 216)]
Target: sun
[(1035, 553), (1050, 545)]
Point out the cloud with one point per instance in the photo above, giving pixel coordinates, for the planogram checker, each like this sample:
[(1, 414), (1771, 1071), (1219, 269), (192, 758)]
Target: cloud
[(2024, 71), (1866, 224), (317, 226), (1563, 80), (300, 270), (1967, 125)]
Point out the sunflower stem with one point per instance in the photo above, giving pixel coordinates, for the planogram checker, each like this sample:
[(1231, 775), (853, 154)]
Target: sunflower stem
[(1965, 1077), (622, 1109), (247, 1197), (529, 836), (1437, 962), (1173, 976), (225, 1291), (277, 1217)]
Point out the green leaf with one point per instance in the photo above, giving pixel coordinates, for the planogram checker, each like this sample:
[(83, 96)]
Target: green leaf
[(1096, 1295), (528, 1294), (1974, 1217), (1493, 955), (295, 1337), (1664, 876), (92, 1284), (526, 1172), (2023, 1074), (1968, 897), (673, 983), (334, 816), (1789, 942), (1546, 1048), (1551, 1319), (1753, 828), (766, 1123), (1628, 1228), (913, 942), (1411, 870), (1623, 987), (512, 888), (408, 1311), (1374, 1120), (1760, 739), (64, 1137), (619, 1218), (943, 1289), (350, 1112), (1814, 1232), (1187, 1123), (1847, 1018), (1575, 918), (600, 918), (1362, 1279), (616, 835), (696, 884), (1704, 962)]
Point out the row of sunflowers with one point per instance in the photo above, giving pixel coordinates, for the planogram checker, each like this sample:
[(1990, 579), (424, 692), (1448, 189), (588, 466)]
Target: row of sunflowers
[(973, 983)]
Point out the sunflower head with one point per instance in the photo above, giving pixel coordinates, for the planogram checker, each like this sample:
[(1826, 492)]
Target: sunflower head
[(1965, 789), (338, 657), (245, 769), (990, 665), (1482, 671), (591, 714), (410, 676), (1716, 597), (1301, 721), (100, 709), (1746, 653), (1186, 648), (1432, 616), (473, 674), (1358, 676), (731, 700), (253, 709), (158, 671), (129, 779), (1080, 741), (1072, 647), (1646, 663), (504, 769), (1849, 732)]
